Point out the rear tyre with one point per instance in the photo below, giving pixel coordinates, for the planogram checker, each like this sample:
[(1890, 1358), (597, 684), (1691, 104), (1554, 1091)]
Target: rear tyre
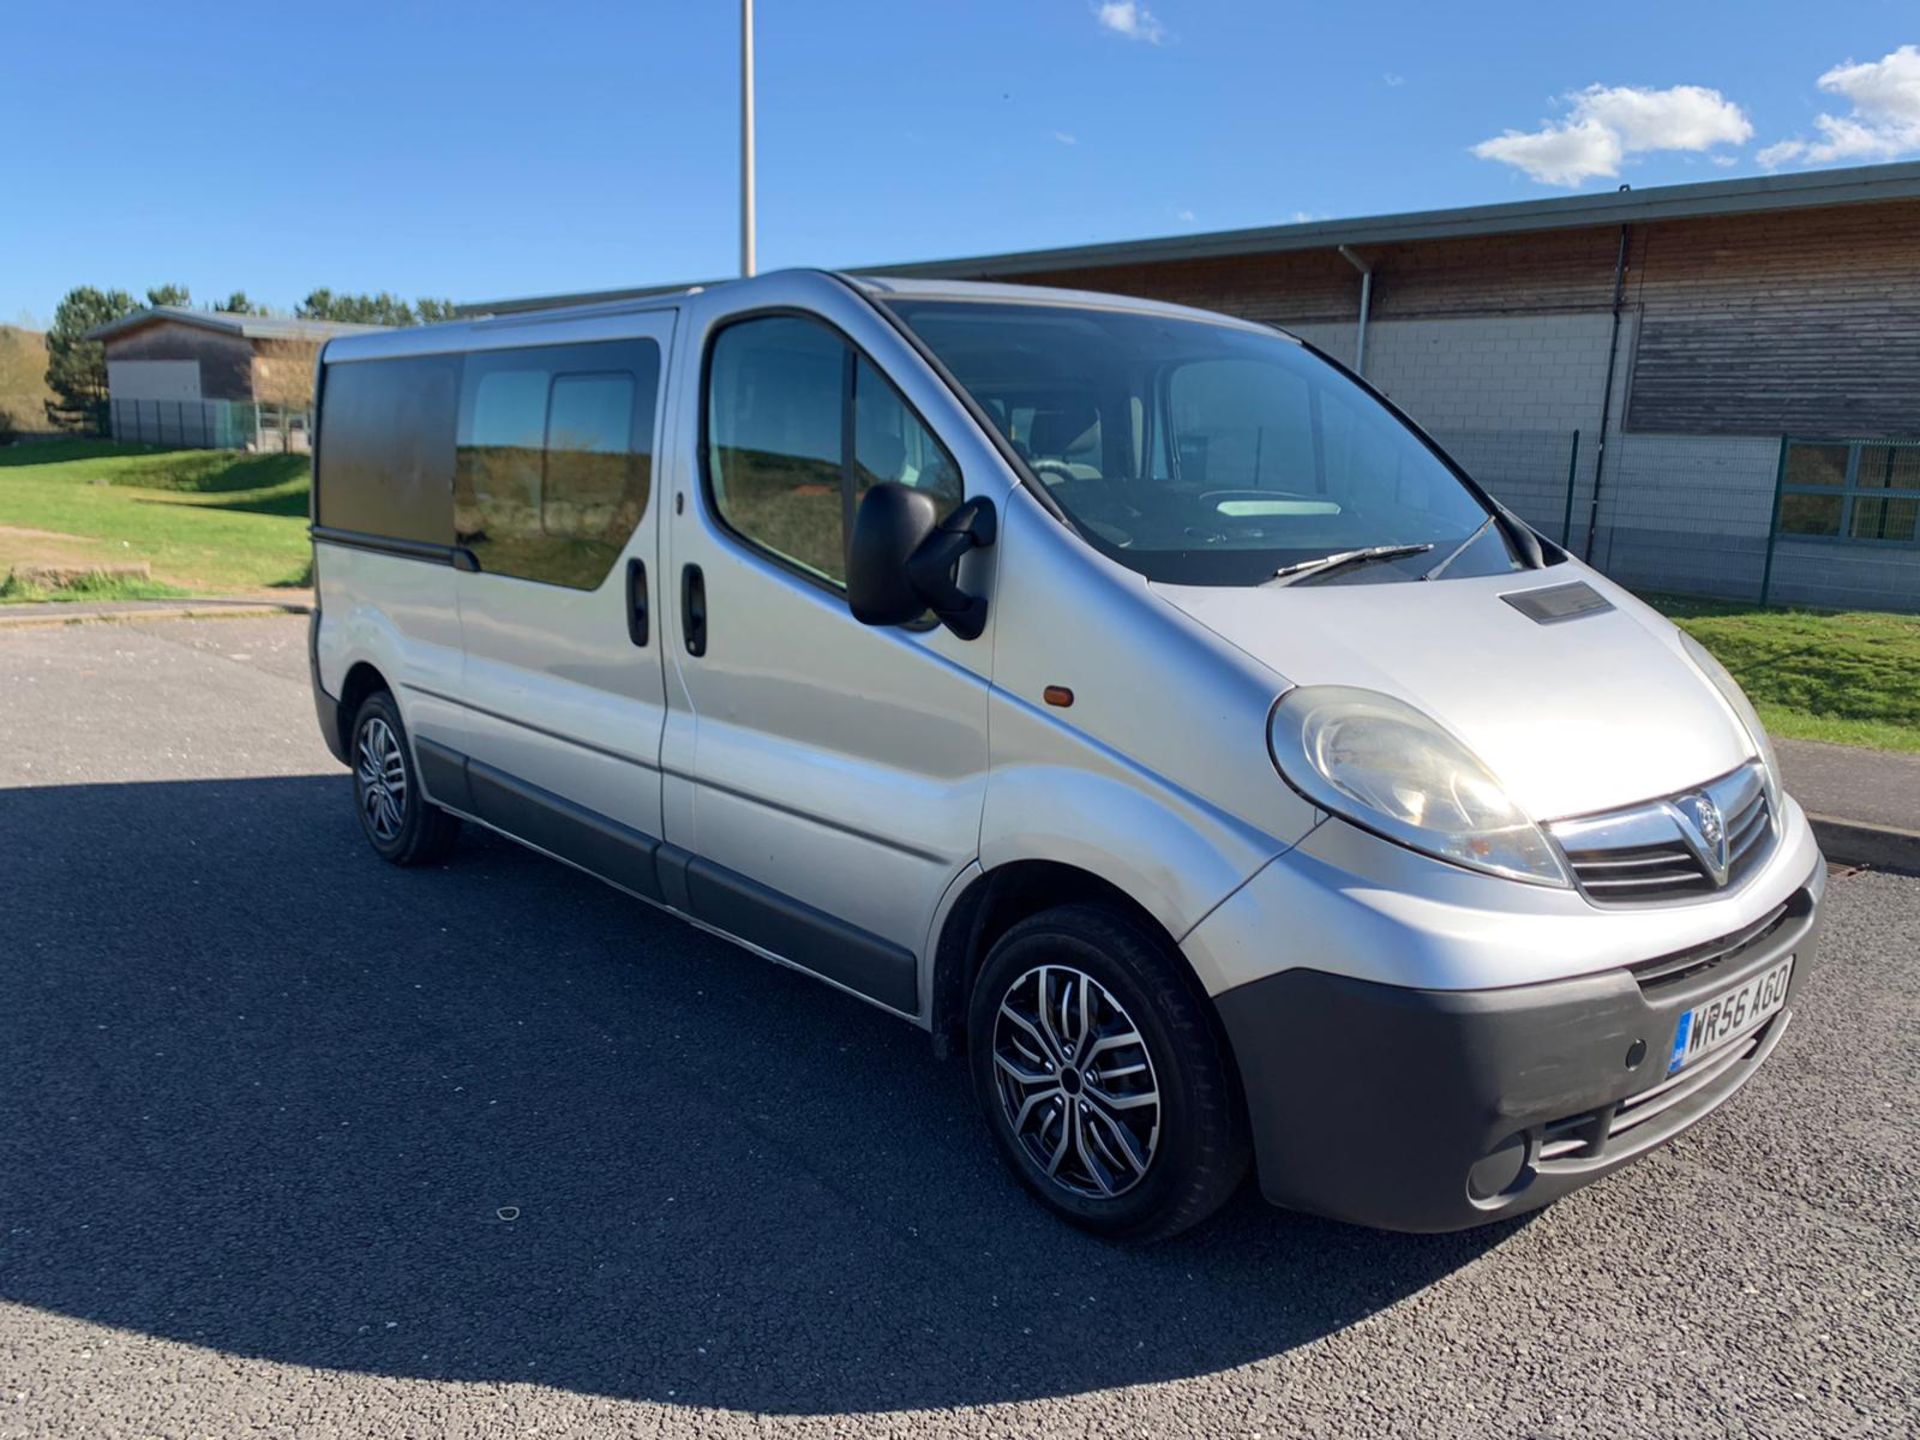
[(401, 824), (1103, 1077)]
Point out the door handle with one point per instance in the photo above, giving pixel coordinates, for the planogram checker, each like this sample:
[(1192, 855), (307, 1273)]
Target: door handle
[(693, 609), (637, 601)]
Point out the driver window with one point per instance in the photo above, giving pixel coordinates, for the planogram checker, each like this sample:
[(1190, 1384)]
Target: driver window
[(786, 467), (890, 445)]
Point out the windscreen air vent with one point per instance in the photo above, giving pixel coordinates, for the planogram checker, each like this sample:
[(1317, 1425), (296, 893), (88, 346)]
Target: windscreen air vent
[(1554, 603)]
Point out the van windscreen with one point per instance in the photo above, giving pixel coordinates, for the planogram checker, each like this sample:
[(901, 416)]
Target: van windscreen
[(1206, 454)]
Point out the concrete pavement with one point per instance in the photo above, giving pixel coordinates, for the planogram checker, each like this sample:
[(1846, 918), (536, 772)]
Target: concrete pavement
[(1865, 804), (78, 612)]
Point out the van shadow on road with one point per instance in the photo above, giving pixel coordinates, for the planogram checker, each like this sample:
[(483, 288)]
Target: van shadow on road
[(495, 1122)]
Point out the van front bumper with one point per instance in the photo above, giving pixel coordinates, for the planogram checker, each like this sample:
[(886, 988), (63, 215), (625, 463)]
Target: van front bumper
[(1431, 1109)]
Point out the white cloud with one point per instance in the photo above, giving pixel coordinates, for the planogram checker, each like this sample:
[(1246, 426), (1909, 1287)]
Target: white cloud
[(1884, 123), (1608, 123), (1185, 217), (1393, 80), (1687, 117), (1131, 19), (1558, 154), (1065, 139)]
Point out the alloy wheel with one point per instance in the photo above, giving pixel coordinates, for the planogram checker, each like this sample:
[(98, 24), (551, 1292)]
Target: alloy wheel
[(1076, 1083), (381, 772)]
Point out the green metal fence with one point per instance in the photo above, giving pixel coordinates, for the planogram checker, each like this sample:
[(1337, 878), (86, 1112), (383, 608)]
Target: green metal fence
[(211, 425), (1861, 497)]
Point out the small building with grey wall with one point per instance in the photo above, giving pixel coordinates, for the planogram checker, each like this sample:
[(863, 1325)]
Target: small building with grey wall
[(203, 377)]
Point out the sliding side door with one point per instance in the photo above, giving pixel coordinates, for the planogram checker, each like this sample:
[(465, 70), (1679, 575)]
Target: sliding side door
[(554, 501)]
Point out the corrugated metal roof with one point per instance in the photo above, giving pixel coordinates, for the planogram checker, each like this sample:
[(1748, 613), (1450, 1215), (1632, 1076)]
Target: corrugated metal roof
[(248, 327), (1749, 195)]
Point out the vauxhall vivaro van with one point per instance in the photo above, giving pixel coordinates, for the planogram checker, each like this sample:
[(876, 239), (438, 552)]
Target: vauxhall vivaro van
[(1127, 695)]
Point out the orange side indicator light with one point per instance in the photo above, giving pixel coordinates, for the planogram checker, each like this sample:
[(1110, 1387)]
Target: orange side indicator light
[(1058, 695)]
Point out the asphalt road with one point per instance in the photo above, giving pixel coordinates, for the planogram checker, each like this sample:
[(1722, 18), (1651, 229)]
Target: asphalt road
[(295, 1143)]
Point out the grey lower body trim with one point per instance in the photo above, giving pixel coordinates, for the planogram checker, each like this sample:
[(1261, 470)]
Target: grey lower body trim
[(613, 851), (812, 939), (672, 862), (723, 899), (444, 773)]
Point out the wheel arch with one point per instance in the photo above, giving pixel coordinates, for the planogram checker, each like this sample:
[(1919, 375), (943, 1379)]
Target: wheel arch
[(362, 679), (996, 900)]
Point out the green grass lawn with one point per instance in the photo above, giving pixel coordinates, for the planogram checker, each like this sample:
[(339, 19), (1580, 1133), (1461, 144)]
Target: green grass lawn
[(89, 587), (208, 521), (1850, 677)]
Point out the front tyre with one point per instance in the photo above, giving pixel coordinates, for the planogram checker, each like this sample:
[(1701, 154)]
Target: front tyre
[(1103, 1077), (401, 824)]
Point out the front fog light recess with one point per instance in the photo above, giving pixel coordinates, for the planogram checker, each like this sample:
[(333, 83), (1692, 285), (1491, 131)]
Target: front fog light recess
[(1387, 767)]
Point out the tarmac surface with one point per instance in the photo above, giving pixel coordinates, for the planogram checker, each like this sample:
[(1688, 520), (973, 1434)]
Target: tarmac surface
[(294, 1143)]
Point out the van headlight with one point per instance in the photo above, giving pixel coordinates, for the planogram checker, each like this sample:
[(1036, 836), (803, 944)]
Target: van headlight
[(1390, 769), (1743, 711)]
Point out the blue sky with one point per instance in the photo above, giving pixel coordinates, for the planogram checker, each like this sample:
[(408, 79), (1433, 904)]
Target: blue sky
[(484, 150)]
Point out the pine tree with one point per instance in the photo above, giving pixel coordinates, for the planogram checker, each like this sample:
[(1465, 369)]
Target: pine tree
[(76, 366), (381, 309)]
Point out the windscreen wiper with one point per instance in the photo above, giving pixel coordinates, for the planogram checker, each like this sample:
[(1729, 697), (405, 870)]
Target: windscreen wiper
[(1340, 559), (1518, 536), (1460, 549)]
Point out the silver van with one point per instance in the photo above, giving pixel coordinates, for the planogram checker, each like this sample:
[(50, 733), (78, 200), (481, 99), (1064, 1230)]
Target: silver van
[(1129, 696)]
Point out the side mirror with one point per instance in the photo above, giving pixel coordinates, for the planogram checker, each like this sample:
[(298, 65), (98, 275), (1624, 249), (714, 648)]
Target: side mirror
[(902, 557)]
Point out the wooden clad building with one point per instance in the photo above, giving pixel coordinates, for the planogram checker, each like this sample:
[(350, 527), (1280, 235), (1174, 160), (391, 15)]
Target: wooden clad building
[(175, 374)]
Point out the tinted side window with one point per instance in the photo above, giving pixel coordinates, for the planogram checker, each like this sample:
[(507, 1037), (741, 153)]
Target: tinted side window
[(799, 426), (386, 447), (555, 458)]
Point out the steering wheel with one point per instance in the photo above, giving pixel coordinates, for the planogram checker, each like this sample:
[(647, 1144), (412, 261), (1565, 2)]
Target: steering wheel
[(1060, 469)]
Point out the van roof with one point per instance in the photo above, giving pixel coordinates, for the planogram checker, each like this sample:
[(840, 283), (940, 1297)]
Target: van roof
[(460, 335)]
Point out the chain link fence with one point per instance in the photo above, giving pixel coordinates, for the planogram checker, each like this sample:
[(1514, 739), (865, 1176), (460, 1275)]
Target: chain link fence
[(211, 425), (1771, 520)]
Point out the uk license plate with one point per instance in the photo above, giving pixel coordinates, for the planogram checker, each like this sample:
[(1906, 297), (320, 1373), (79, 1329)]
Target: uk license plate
[(1725, 1018)]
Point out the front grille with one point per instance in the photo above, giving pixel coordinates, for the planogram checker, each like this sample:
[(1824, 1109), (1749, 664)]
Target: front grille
[(1643, 855), (1640, 872), (1591, 1135)]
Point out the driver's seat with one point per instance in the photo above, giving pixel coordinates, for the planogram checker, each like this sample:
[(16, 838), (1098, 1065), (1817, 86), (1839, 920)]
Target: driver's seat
[(1056, 434)]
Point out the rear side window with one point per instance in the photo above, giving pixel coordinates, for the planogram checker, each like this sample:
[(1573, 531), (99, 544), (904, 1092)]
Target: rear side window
[(386, 447), (555, 459), (799, 426)]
